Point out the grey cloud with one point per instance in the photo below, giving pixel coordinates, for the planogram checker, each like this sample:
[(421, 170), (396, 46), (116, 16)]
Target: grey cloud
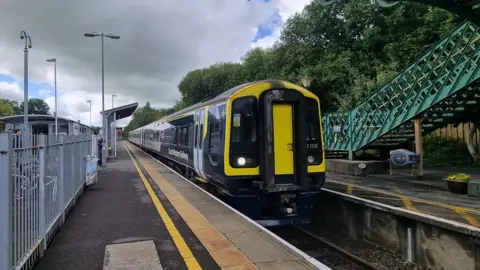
[(160, 41)]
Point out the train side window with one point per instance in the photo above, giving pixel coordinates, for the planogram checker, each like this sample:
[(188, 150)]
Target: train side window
[(178, 135), (214, 141), (196, 137), (184, 136), (190, 137), (200, 141)]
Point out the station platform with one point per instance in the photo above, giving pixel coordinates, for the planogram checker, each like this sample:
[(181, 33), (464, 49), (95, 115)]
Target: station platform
[(142, 215), (427, 196)]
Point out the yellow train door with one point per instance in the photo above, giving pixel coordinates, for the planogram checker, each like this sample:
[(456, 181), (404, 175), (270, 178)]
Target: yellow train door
[(283, 140)]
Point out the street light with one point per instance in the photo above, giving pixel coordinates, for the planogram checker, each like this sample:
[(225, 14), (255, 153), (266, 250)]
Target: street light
[(89, 101), (104, 127), (28, 45), (112, 99), (306, 81), (54, 60)]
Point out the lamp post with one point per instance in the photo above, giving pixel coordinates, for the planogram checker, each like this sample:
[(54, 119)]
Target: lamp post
[(54, 60), (28, 45), (112, 99), (111, 36), (306, 81), (89, 101)]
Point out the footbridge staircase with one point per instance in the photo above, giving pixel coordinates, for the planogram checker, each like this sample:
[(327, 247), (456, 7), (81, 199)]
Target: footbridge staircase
[(441, 87)]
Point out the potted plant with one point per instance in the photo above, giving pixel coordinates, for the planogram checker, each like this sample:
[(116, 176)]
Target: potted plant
[(458, 183)]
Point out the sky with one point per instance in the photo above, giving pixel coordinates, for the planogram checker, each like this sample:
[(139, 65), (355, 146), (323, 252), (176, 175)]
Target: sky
[(160, 42)]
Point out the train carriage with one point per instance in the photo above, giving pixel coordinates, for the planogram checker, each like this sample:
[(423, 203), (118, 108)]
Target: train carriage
[(259, 144)]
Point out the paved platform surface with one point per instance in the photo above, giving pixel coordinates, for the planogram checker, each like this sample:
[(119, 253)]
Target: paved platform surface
[(402, 191), (117, 210), (142, 214), (231, 240)]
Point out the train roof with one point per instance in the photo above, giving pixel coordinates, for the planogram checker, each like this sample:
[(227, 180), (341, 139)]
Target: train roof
[(213, 98), (223, 95)]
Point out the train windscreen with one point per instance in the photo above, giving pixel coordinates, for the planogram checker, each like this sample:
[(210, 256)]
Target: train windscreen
[(243, 136), (314, 137)]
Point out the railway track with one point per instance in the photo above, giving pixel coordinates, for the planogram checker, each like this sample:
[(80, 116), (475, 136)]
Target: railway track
[(324, 251)]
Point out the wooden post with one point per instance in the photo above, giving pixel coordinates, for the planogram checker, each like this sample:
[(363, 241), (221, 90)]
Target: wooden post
[(419, 146)]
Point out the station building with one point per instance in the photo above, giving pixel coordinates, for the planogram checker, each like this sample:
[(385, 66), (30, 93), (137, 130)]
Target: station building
[(44, 124)]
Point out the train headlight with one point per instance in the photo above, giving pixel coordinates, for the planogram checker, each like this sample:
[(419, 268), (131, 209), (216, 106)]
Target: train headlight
[(241, 161), (310, 159)]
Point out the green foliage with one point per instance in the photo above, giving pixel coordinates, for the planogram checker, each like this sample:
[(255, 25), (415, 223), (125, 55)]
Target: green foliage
[(146, 115), (35, 106), (460, 177), (96, 130), (350, 49), (439, 150), (6, 108)]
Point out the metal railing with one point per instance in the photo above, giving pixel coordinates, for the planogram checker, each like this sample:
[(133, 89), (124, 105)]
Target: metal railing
[(40, 180)]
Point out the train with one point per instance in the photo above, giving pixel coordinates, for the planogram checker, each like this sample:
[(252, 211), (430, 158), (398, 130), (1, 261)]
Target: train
[(259, 146)]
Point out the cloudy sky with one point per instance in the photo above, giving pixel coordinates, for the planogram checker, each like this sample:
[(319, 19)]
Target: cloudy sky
[(161, 40)]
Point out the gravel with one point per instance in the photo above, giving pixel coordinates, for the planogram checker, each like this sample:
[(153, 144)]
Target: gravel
[(371, 253)]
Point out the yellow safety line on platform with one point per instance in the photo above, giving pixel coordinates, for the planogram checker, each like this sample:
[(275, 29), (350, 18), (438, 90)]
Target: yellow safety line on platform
[(451, 207), (222, 250), (468, 217), (350, 188), (182, 246), (406, 201), (391, 198)]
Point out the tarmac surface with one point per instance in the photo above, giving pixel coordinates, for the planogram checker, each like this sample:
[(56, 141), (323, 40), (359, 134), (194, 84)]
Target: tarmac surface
[(117, 209), (140, 209)]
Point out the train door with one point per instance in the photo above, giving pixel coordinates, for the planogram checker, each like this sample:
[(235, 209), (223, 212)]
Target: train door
[(198, 142), (283, 141)]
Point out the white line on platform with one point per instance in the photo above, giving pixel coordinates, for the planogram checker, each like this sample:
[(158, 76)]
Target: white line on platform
[(310, 259)]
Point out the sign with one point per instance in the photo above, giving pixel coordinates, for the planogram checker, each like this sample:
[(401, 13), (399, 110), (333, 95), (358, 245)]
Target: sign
[(91, 176), (236, 120), (337, 129)]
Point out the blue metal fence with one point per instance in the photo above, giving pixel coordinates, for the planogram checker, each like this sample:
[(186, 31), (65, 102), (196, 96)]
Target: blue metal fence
[(40, 179)]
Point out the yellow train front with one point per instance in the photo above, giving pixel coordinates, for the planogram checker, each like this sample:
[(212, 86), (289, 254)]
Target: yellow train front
[(259, 144)]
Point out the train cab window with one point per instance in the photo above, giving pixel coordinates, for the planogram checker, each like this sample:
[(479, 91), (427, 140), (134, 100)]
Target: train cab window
[(243, 136), (314, 142)]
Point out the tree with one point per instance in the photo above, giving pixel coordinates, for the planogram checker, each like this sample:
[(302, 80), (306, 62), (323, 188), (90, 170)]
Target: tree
[(96, 130), (350, 48), (36, 106), (145, 115), (6, 108)]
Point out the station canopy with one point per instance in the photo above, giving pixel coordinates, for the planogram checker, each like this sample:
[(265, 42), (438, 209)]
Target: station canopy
[(122, 111), (113, 115)]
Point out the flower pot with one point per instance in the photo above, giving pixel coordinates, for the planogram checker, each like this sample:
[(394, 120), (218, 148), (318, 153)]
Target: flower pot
[(457, 187)]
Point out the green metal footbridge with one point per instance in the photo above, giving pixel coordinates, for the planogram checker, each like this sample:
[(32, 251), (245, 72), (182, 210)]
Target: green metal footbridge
[(441, 87)]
